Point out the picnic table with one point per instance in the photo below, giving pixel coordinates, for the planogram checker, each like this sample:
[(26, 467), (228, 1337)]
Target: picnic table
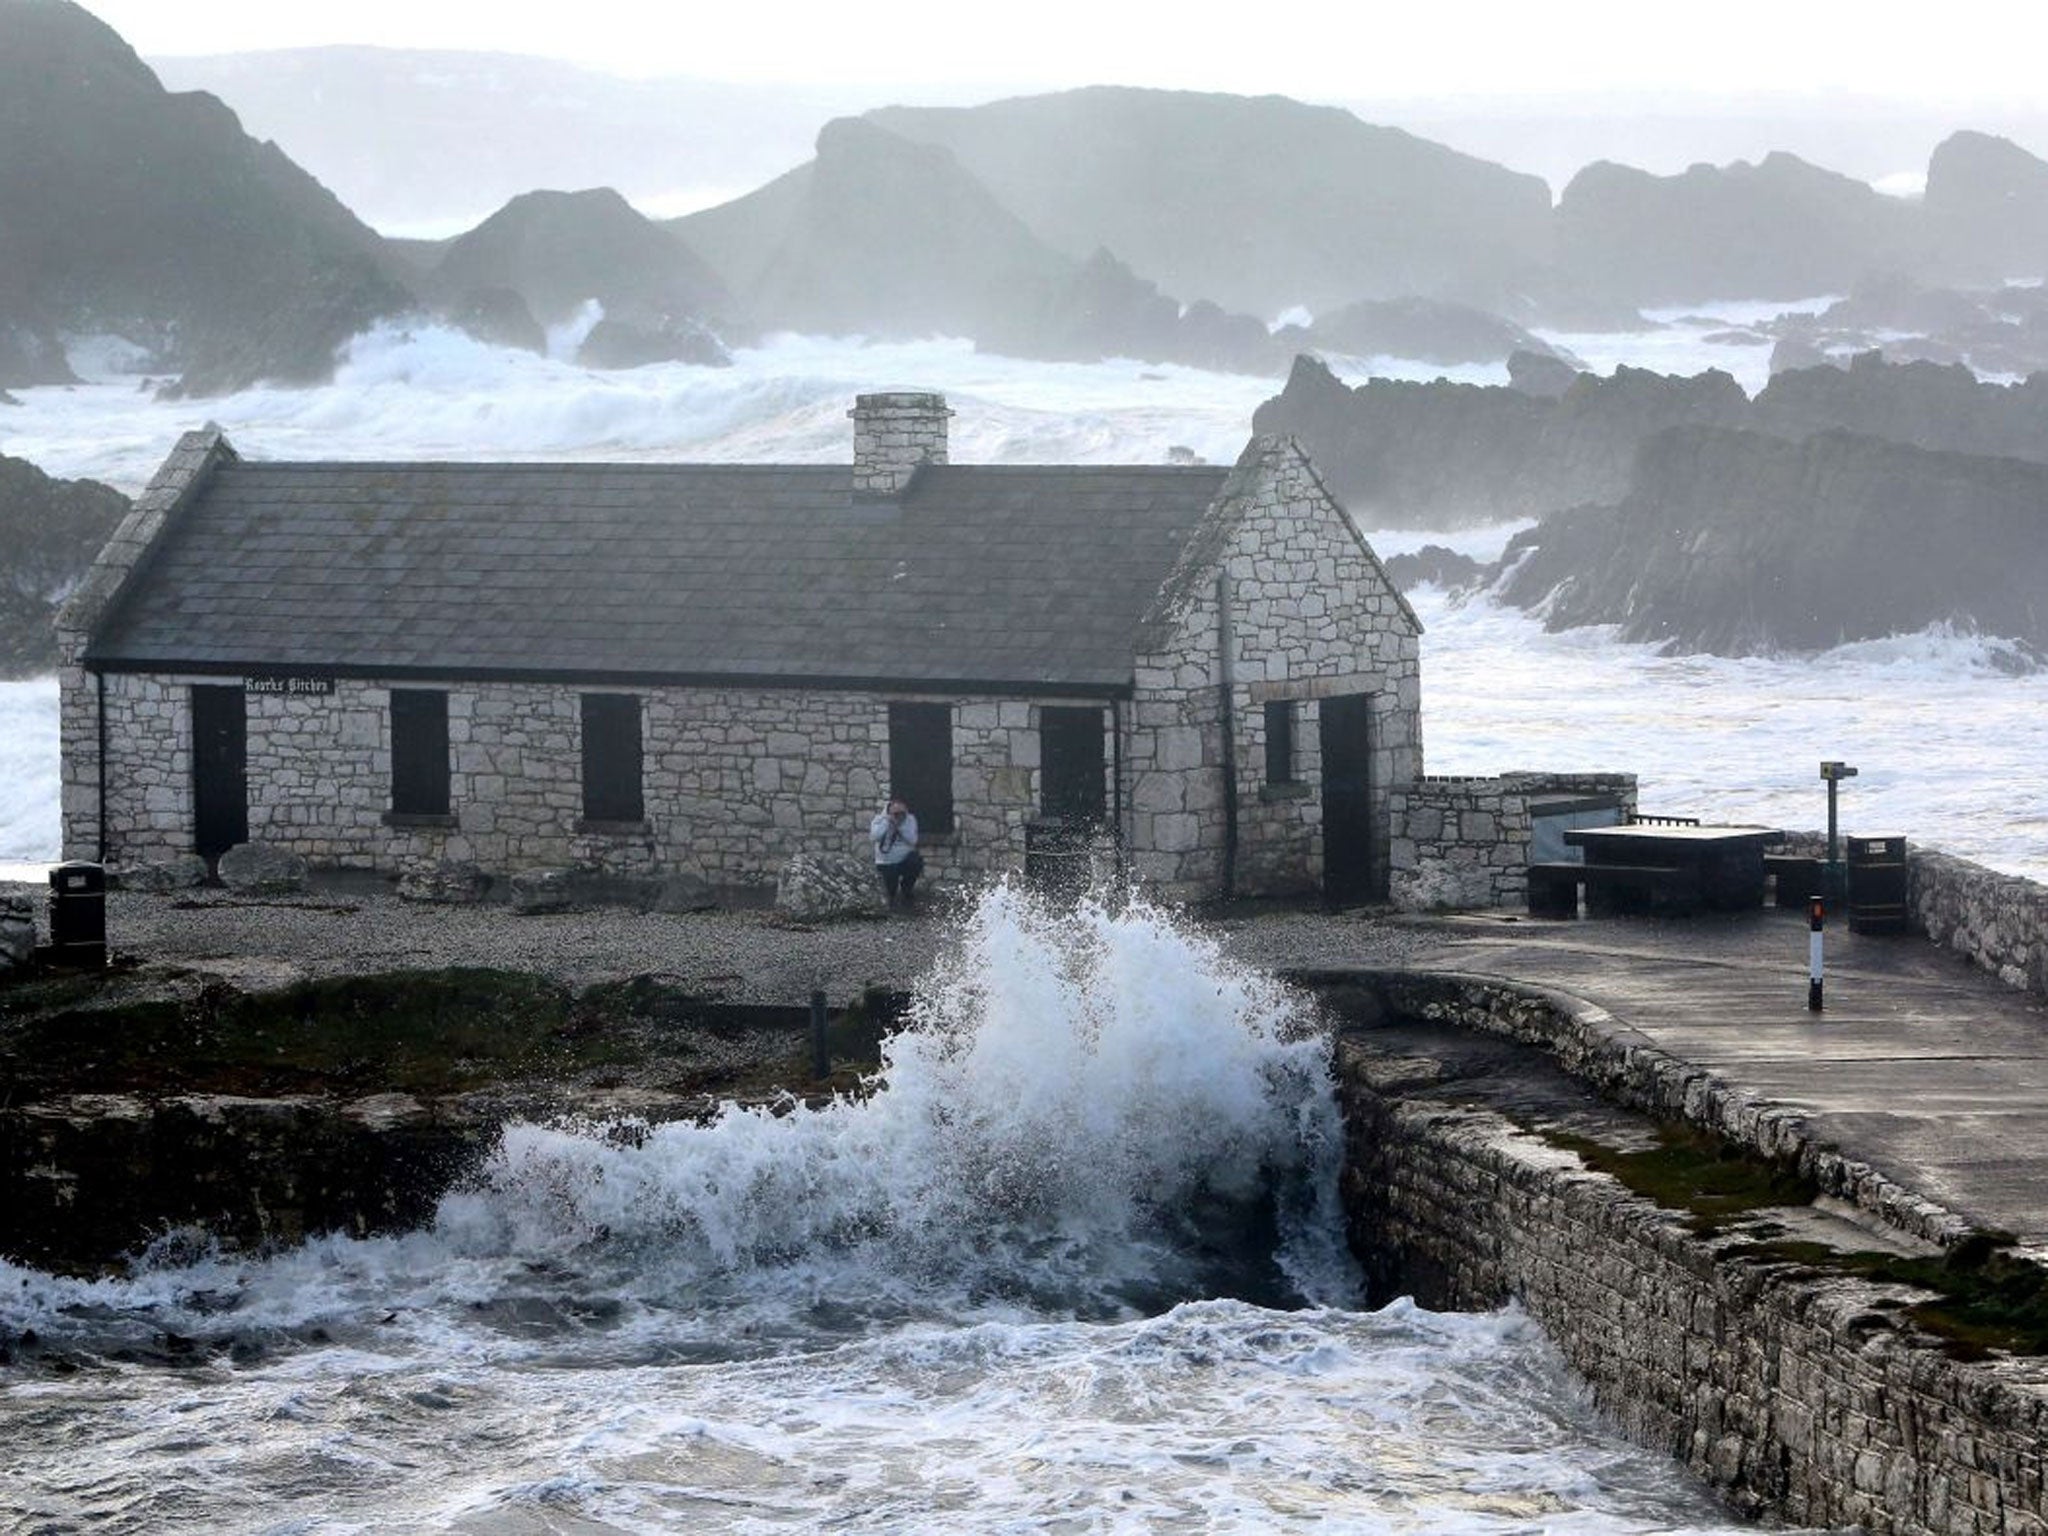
[(1657, 866)]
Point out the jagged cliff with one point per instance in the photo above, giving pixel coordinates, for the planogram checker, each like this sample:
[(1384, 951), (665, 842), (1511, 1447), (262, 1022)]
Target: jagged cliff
[(130, 210), (1737, 543), (1443, 455), (49, 532)]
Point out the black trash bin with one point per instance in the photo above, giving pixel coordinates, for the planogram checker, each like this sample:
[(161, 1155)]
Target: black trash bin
[(1877, 884), (78, 914)]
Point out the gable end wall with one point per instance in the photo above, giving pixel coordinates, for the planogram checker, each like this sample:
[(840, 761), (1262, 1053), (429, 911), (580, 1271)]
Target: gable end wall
[(126, 553), (1311, 616)]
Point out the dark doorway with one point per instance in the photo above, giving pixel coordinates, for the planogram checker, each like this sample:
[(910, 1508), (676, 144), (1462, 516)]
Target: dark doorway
[(1070, 764), (220, 769), (1347, 798)]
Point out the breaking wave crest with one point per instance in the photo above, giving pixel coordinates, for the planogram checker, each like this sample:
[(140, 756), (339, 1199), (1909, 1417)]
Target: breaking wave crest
[(1090, 1107)]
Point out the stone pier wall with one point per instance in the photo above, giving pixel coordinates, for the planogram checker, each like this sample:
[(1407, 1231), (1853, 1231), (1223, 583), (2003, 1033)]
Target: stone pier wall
[(1796, 1396), (1999, 921)]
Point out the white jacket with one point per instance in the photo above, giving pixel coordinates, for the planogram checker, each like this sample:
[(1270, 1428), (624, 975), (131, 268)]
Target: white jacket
[(893, 844)]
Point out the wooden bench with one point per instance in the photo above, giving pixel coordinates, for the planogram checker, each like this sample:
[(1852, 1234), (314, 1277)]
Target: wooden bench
[(1554, 888), (1796, 878)]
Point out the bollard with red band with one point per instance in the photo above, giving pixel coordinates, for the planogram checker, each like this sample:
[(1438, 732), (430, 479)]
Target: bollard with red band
[(1816, 912)]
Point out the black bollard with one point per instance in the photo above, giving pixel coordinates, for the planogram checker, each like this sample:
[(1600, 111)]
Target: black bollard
[(821, 1050), (1816, 912)]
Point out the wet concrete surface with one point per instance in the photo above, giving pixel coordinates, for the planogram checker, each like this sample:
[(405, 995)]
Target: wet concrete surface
[(1933, 1072)]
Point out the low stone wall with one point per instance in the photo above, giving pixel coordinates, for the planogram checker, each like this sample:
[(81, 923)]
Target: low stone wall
[(1465, 842), (1796, 1395), (1999, 921)]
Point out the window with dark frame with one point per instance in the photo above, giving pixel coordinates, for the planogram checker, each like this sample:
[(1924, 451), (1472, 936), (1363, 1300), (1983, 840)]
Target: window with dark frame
[(419, 752), (1280, 761), (611, 757), (921, 763)]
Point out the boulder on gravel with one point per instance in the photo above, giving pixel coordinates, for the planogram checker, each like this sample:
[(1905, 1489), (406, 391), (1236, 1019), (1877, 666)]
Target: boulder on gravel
[(180, 872), (444, 882), (542, 890), (827, 885), (17, 932), (263, 869), (573, 889)]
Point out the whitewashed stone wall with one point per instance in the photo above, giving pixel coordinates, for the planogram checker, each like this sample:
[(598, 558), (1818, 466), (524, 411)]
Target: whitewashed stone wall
[(1311, 616), (1465, 842), (734, 781)]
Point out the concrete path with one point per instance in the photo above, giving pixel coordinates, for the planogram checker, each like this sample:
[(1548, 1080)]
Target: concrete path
[(1930, 1070)]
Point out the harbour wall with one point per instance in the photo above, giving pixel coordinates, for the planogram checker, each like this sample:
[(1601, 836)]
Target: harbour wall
[(1797, 1394), (1999, 922)]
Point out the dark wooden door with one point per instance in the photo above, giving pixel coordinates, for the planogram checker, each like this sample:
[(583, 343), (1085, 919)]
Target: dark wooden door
[(1347, 797), (1071, 764), (220, 769)]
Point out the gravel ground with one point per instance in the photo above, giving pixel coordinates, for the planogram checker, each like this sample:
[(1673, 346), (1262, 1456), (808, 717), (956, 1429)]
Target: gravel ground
[(753, 956)]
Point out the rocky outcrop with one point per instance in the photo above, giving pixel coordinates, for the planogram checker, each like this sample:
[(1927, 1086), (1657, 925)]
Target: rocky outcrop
[(1925, 404), (878, 236), (638, 338), (50, 530), (126, 209), (1443, 455), (884, 236), (1254, 203), (1992, 331), (1778, 229), (1433, 566), (1104, 309), (1739, 543), (556, 251), (1987, 205), (31, 355), (1429, 331)]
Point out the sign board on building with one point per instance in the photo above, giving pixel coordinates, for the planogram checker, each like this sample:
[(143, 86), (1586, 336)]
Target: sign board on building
[(296, 684)]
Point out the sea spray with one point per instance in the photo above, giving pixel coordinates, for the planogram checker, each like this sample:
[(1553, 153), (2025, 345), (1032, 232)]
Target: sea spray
[(1091, 1109)]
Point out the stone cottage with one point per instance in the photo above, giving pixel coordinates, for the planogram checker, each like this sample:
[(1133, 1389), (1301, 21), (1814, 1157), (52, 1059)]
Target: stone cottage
[(705, 669)]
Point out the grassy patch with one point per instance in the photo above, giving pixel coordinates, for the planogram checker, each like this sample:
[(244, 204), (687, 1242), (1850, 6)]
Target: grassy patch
[(1695, 1171), (423, 1032), (1985, 1297)]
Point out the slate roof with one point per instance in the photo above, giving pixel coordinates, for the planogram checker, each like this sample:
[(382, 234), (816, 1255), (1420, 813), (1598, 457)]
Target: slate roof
[(977, 575)]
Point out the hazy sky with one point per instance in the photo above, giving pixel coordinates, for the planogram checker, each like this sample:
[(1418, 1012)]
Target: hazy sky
[(1959, 51)]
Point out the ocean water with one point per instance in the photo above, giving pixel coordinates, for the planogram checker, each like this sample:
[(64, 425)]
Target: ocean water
[(1073, 1266), (1947, 741)]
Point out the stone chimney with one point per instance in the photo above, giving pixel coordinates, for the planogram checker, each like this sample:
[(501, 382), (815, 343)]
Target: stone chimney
[(892, 435)]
